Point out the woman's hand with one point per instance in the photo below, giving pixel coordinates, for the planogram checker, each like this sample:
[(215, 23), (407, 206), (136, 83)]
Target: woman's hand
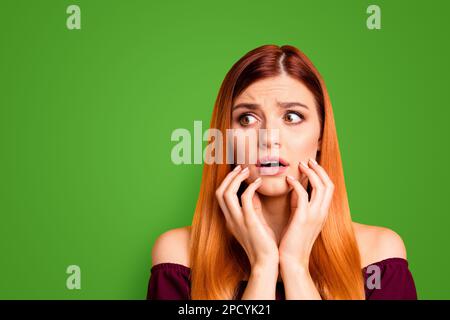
[(247, 223), (307, 217)]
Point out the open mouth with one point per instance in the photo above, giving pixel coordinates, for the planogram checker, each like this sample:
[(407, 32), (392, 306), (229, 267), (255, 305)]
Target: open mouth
[(271, 162), (270, 166)]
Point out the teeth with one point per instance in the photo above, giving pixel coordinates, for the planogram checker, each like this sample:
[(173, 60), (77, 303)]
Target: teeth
[(271, 164)]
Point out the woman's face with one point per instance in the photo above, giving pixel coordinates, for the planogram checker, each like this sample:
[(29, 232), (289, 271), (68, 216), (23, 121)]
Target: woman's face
[(286, 109)]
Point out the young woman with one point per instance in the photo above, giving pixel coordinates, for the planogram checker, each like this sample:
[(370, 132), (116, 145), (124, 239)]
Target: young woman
[(280, 227)]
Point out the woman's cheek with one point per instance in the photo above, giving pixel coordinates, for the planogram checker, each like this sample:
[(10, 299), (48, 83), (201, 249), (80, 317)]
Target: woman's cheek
[(305, 142), (300, 150)]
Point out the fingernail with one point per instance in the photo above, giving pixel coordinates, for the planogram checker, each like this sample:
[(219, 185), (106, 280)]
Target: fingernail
[(290, 177), (245, 170), (303, 164), (237, 168), (313, 161), (258, 180)]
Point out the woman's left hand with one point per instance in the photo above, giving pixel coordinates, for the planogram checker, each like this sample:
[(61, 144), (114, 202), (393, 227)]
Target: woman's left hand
[(307, 216)]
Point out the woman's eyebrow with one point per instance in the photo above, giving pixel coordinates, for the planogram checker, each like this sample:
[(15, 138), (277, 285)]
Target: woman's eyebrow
[(292, 104), (253, 106)]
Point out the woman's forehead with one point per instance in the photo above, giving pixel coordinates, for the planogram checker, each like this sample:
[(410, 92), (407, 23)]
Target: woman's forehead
[(273, 90)]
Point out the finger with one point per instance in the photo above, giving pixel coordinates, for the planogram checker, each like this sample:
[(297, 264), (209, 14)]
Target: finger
[(328, 183), (257, 203), (316, 183), (221, 189), (230, 194), (229, 177), (320, 171), (301, 194), (247, 201)]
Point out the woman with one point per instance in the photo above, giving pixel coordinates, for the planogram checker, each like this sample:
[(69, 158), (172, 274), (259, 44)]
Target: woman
[(280, 227)]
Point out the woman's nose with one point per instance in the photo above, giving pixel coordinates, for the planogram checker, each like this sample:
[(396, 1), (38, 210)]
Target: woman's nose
[(269, 138)]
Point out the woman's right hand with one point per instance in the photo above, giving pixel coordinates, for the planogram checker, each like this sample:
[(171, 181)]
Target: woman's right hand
[(247, 223)]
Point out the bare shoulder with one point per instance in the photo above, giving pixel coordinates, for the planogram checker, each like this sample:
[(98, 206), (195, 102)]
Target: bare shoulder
[(172, 246), (378, 243)]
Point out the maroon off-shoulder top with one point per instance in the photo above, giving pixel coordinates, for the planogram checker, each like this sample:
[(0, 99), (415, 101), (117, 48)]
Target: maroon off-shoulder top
[(171, 281)]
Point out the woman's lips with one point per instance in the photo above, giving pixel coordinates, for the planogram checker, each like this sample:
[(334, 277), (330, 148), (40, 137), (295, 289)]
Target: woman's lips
[(267, 159), (277, 165), (271, 171)]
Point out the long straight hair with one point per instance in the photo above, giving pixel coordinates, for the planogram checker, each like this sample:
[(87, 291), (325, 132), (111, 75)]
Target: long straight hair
[(218, 262)]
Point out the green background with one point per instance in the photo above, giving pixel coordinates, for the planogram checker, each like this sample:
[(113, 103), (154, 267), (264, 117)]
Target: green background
[(86, 118)]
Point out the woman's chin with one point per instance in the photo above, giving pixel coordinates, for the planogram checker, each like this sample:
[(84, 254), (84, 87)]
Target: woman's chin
[(277, 187)]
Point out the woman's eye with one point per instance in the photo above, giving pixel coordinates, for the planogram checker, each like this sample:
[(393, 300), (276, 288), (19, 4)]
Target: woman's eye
[(247, 119), (293, 117)]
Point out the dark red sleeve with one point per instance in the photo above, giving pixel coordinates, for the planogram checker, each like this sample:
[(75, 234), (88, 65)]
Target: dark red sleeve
[(396, 283), (169, 281)]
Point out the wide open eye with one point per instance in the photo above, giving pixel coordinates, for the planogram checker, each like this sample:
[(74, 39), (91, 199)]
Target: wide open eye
[(247, 119), (293, 117)]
